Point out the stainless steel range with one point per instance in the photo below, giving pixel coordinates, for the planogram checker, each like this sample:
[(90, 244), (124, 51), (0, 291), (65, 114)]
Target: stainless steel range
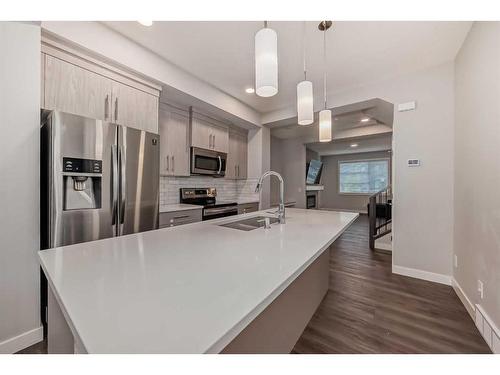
[(206, 197)]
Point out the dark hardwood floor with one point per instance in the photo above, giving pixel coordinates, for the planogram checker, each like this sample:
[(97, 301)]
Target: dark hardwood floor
[(39, 348), (368, 309)]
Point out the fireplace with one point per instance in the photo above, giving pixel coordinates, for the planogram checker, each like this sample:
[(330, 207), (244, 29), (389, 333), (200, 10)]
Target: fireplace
[(312, 199)]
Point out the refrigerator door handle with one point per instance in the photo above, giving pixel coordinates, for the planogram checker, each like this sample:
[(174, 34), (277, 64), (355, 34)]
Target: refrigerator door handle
[(123, 186), (114, 184)]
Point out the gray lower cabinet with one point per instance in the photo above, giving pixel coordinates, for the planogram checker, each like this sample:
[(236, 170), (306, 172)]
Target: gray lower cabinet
[(246, 208), (174, 218)]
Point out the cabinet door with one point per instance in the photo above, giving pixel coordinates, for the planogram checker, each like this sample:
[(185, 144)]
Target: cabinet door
[(134, 108), (232, 157), (220, 139), (174, 148), (201, 134), (177, 144), (242, 157), (163, 123), (72, 89)]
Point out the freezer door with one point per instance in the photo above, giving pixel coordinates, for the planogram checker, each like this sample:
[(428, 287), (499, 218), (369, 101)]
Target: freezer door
[(139, 180), (80, 156)]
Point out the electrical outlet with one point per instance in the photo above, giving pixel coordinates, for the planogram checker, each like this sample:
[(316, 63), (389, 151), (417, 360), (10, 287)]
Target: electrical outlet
[(455, 260), (480, 288)]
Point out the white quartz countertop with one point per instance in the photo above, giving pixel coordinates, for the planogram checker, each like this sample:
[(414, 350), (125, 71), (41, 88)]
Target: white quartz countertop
[(187, 289), (179, 207)]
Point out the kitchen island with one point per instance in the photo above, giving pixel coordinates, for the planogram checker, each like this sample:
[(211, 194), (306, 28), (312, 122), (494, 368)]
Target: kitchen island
[(196, 288)]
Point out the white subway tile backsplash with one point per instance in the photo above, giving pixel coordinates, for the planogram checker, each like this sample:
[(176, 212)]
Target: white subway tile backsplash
[(232, 190)]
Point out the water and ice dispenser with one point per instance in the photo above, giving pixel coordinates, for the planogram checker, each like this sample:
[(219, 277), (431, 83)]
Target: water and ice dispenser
[(81, 183)]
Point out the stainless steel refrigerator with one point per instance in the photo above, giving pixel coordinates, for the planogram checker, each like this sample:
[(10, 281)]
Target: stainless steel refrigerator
[(98, 180)]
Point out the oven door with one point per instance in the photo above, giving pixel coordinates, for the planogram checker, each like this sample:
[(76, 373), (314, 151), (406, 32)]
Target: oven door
[(217, 212), (208, 162)]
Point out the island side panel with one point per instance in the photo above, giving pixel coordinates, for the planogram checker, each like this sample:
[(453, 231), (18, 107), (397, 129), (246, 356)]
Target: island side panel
[(279, 326), (59, 337)]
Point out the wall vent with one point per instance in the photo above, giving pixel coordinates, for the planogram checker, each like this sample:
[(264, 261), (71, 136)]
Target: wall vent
[(488, 329)]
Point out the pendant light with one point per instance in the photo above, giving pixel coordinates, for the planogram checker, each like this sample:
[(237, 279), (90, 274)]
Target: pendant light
[(305, 111), (266, 62), (325, 116)]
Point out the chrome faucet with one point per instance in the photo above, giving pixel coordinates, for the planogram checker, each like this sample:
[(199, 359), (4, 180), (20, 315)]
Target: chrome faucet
[(281, 207)]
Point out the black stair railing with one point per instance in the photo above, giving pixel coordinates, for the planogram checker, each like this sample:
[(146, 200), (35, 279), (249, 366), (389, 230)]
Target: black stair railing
[(380, 215)]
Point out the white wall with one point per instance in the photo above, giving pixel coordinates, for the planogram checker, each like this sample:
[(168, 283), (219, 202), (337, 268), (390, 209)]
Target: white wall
[(288, 157), (259, 155), (330, 196), (423, 196), (477, 166), (19, 185)]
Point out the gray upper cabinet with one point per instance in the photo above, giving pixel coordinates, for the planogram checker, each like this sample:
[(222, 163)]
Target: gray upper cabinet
[(81, 86), (237, 157), (174, 139), (135, 108), (71, 89), (208, 135)]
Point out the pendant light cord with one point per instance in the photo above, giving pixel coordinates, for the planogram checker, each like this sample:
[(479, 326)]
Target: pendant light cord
[(304, 49), (324, 64)]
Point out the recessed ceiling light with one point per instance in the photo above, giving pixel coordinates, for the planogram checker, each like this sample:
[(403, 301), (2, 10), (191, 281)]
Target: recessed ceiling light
[(366, 119), (354, 145), (146, 23), (250, 90)]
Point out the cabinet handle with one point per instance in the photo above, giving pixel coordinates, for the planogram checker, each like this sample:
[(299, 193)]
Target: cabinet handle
[(116, 109), (214, 142), (235, 173), (180, 217), (210, 142), (106, 108), (167, 163), (238, 171), (173, 163)]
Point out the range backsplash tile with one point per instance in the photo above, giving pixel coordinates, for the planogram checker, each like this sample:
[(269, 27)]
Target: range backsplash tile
[(231, 190)]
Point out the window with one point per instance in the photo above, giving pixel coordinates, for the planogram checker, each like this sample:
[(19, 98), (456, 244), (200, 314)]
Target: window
[(363, 176)]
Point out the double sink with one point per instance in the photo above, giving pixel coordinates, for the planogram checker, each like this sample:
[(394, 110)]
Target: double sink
[(250, 223)]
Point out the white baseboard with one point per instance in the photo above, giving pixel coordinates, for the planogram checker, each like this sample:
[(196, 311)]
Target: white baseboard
[(424, 275), (22, 341), (469, 306), (383, 246)]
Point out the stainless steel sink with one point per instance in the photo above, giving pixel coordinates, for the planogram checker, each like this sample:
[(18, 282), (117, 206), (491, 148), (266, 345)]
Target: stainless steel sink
[(250, 223)]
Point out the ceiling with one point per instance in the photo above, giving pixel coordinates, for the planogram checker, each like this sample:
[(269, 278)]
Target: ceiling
[(373, 143), (355, 120), (222, 53)]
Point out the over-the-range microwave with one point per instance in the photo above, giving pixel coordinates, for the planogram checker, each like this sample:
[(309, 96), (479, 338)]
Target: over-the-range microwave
[(208, 162)]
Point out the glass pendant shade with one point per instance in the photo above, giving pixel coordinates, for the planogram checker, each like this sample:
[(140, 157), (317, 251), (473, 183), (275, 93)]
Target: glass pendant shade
[(325, 125), (305, 111), (266, 62)]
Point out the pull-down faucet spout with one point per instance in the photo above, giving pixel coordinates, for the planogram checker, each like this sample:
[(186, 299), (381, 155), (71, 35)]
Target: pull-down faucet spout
[(281, 207)]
